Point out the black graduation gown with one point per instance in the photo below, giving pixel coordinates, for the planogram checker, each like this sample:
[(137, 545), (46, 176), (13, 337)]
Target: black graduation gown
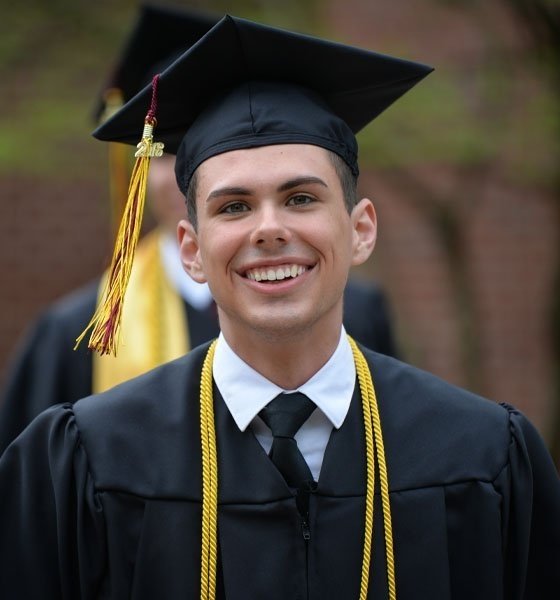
[(48, 371), (102, 499)]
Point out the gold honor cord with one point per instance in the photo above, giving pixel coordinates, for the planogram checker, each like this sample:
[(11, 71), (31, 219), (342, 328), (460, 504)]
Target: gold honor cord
[(373, 421), (374, 439), (209, 481)]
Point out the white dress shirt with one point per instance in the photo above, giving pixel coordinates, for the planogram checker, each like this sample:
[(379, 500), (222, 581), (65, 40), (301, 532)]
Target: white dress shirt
[(196, 294), (246, 392)]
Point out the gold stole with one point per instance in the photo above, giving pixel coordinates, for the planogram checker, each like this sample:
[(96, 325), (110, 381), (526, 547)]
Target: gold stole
[(154, 327)]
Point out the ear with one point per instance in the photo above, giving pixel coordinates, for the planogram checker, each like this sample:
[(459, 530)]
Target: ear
[(364, 223), (190, 252)]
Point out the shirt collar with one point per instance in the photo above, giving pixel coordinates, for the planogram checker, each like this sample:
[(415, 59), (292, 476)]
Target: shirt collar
[(246, 392)]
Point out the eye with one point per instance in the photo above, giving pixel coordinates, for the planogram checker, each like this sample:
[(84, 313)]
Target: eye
[(300, 200), (234, 208)]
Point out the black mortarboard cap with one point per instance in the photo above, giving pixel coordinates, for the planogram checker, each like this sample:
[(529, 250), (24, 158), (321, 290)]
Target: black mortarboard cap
[(159, 35), (244, 84)]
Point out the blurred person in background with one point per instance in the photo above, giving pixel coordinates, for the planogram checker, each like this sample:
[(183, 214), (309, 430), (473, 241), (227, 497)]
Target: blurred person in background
[(166, 314)]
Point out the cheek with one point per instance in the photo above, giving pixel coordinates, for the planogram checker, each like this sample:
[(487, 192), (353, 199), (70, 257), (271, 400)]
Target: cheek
[(337, 237), (217, 247)]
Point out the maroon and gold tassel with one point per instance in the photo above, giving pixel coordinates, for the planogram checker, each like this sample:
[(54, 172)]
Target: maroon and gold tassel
[(105, 323)]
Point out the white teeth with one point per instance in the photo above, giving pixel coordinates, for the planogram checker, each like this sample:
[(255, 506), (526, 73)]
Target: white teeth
[(276, 273)]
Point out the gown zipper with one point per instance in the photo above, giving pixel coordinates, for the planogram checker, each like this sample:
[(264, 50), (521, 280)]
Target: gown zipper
[(302, 502)]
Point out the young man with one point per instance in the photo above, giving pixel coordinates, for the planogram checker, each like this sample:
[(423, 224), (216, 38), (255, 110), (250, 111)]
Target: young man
[(165, 313), (283, 461)]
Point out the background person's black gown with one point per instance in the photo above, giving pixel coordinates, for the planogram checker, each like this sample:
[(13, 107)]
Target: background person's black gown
[(47, 371), (102, 499)]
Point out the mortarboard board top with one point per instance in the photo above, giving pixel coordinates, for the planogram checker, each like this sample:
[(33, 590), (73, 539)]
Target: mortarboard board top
[(238, 84)]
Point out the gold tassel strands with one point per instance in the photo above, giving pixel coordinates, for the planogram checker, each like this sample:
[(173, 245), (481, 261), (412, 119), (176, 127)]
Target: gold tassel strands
[(105, 323)]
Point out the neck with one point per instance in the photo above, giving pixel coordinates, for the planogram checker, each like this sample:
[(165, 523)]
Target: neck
[(287, 361)]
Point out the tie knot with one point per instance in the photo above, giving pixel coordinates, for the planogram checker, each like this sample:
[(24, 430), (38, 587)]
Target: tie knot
[(287, 413)]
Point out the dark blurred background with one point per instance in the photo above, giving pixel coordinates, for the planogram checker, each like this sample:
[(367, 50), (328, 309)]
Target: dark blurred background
[(463, 172)]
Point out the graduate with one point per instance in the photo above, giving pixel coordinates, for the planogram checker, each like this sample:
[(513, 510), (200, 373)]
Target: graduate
[(165, 312), (282, 461)]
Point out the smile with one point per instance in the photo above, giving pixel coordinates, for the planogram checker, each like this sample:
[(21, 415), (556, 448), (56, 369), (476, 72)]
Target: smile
[(276, 273)]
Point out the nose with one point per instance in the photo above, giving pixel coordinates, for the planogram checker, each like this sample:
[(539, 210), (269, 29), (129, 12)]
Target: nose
[(270, 227)]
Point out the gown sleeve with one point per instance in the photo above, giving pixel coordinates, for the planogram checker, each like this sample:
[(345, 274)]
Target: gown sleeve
[(533, 536), (51, 522)]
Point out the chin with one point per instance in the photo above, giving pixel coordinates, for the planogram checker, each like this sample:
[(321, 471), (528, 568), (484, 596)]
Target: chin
[(285, 326)]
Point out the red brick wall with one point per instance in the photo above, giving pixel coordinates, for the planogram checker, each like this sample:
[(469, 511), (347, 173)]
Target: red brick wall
[(511, 238), (54, 238)]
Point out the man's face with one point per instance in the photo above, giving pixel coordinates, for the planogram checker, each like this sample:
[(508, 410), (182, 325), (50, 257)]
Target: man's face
[(274, 240)]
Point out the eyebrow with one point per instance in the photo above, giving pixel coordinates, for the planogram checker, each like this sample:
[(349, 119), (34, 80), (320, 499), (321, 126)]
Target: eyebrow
[(288, 185), (228, 191), (304, 180)]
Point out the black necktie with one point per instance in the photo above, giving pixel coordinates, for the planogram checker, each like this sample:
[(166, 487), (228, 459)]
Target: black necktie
[(285, 415)]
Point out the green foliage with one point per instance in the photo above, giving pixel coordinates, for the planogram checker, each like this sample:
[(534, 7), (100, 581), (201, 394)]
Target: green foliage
[(55, 58), (433, 123), (298, 14), (491, 117)]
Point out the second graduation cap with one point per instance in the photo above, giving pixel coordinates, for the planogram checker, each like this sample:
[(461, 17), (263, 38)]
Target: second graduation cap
[(160, 35)]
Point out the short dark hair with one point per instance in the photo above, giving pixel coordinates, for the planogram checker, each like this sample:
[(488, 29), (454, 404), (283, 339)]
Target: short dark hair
[(348, 182), (191, 199)]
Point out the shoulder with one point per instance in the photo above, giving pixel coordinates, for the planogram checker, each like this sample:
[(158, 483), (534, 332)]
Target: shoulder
[(137, 433), (416, 386), (367, 317), (61, 320), (159, 387), (65, 318), (361, 293), (74, 306), (449, 434)]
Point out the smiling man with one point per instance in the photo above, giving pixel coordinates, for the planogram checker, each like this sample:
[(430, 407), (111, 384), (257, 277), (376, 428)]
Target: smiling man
[(282, 461), (165, 313), (276, 241)]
